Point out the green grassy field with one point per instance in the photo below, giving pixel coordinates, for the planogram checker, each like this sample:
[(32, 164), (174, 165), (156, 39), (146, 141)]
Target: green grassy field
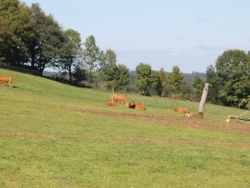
[(55, 135)]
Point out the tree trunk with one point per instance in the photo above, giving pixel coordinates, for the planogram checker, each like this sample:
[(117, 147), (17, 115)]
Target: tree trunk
[(203, 99)]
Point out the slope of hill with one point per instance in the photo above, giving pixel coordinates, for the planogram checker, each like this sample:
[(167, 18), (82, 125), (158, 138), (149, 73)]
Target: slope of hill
[(55, 135)]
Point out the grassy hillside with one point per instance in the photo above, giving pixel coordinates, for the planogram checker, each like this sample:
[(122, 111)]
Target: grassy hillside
[(55, 135)]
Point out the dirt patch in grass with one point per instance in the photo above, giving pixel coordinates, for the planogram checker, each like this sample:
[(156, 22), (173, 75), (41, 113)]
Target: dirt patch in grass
[(200, 123), (124, 139), (182, 121)]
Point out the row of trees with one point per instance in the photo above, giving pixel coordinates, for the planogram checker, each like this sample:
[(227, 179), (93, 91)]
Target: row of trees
[(32, 40)]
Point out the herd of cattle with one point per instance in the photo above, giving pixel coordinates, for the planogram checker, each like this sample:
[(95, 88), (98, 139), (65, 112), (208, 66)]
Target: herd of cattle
[(115, 99)]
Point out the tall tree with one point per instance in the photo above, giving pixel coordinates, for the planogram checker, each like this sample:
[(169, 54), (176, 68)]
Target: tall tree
[(159, 82), (143, 77), (198, 85), (14, 24), (212, 79), (47, 40), (69, 51), (233, 70), (175, 79), (114, 76), (122, 77), (91, 56), (108, 68)]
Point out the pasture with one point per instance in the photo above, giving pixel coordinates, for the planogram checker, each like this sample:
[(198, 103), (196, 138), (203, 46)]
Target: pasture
[(55, 135)]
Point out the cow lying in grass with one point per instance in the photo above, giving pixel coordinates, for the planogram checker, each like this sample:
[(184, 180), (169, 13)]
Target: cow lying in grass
[(136, 106), (111, 103), (119, 98), (6, 79), (181, 110)]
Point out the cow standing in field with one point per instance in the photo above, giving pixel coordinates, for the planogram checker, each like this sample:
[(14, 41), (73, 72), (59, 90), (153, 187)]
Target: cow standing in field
[(119, 98), (6, 79)]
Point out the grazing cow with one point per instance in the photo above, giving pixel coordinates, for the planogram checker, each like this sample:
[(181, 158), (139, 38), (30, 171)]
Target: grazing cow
[(6, 79), (181, 110), (119, 98), (111, 103), (136, 106)]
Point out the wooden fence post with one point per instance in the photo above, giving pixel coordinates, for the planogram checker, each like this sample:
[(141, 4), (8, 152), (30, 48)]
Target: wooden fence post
[(203, 99)]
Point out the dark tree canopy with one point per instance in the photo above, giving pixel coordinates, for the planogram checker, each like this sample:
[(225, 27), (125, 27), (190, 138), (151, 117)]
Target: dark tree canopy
[(233, 78)]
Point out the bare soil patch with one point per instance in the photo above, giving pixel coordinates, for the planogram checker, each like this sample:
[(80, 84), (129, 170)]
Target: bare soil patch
[(124, 139), (200, 123), (182, 121)]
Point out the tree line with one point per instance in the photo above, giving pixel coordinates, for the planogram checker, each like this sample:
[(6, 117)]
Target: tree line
[(31, 39)]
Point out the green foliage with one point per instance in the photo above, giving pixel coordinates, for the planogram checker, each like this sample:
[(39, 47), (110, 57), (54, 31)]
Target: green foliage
[(69, 51), (47, 39), (232, 78), (108, 68), (174, 82), (14, 26), (122, 77), (198, 85), (91, 56), (159, 82), (143, 77), (79, 74)]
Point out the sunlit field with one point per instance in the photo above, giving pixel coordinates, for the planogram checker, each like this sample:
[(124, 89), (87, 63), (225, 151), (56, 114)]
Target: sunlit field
[(56, 135)]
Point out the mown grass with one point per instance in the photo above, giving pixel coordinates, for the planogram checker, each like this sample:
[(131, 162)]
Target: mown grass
[(46, 141)]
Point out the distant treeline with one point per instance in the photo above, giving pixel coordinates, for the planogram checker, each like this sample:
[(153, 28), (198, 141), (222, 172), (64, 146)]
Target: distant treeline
[(31, 40)]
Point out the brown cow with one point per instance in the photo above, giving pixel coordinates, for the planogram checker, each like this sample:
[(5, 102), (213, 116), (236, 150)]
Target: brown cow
[(136, 106), (6, 79), (131, 105), (111, 103), (119, 98), (181, 110)]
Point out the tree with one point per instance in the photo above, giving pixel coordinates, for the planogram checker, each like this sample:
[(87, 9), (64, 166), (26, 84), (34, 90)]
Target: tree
[(91, 56), (79, 74), (198, 85), (69, 51), (107, 68), (122, 77), (143, 77), (175, 79), (212, 79), (113, 76), (47, 39), (233, 71), (159, 82), (14, 22)]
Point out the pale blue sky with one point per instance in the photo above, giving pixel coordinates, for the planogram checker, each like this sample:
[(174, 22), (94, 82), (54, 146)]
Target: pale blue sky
[(190, 34)]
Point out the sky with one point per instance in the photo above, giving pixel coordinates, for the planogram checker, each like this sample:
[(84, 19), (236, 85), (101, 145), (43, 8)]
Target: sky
[(190, 34)]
